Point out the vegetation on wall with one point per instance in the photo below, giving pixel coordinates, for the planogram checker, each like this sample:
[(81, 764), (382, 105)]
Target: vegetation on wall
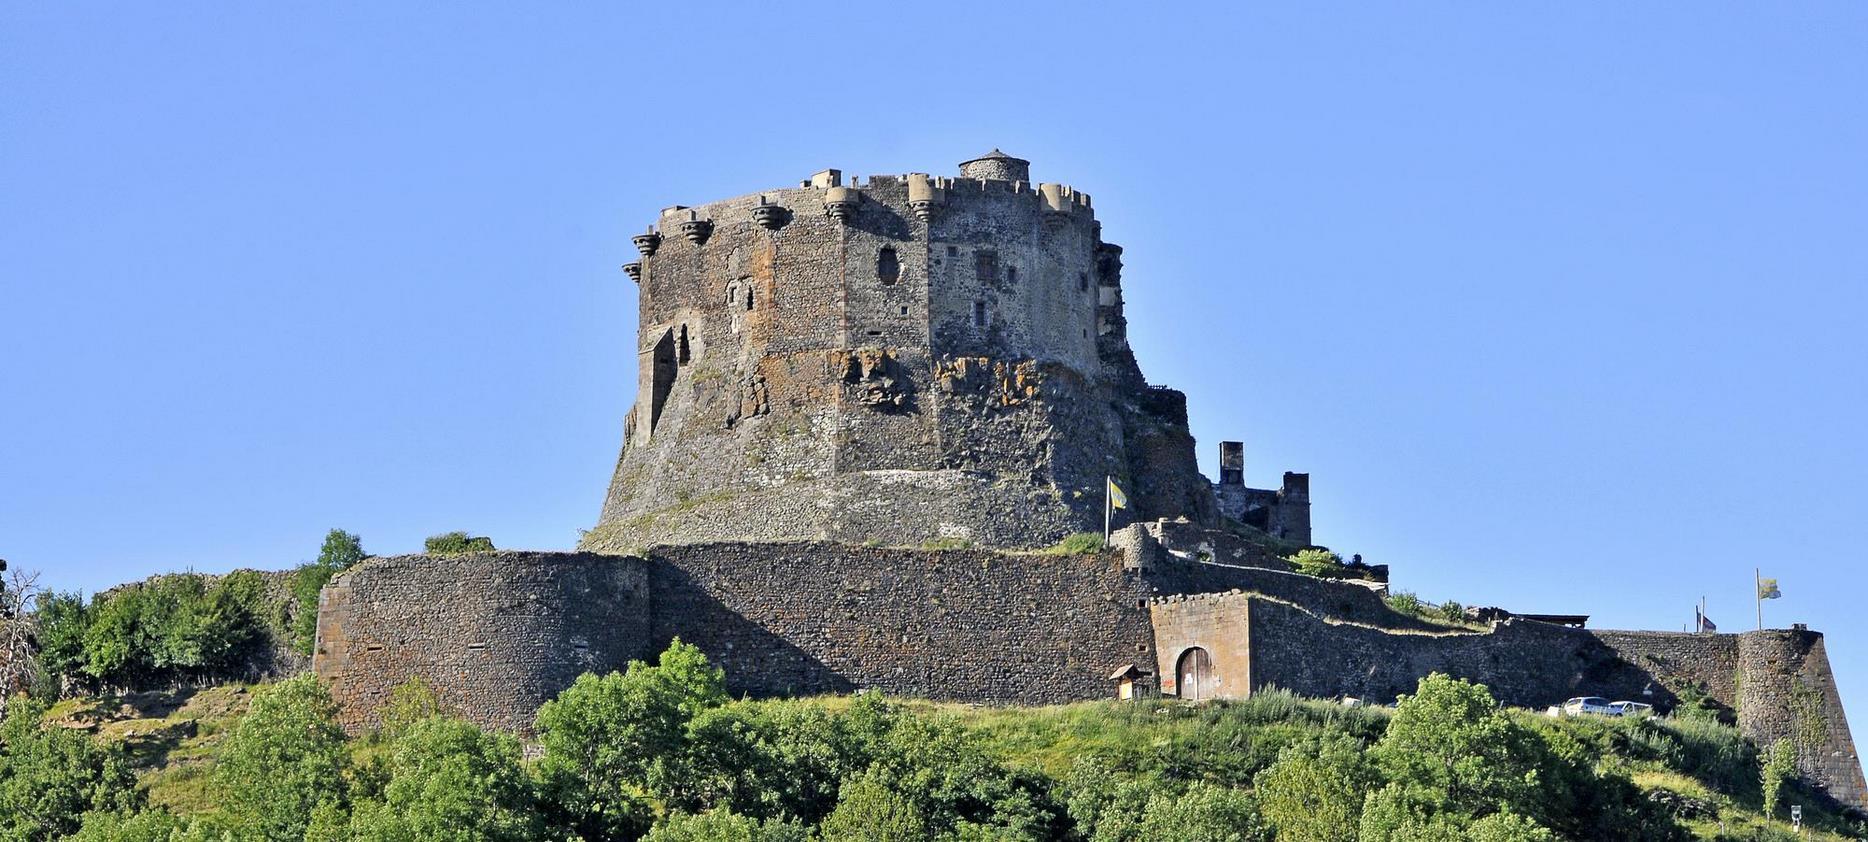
[(1445, 613), (660, 752), (340, 552), (456, 543)]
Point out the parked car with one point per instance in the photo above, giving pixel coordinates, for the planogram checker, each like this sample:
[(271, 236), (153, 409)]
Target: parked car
[(1631, 708), (1589, 704)]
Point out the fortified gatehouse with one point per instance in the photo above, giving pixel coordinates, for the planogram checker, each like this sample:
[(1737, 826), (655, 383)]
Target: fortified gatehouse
[(864, 409)]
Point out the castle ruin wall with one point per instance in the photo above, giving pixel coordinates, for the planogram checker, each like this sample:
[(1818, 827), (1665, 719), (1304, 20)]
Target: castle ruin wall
[(495, 635), (1778, 682)]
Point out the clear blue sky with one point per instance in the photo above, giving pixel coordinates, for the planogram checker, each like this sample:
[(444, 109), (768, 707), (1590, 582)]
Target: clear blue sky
[(1561, 307)]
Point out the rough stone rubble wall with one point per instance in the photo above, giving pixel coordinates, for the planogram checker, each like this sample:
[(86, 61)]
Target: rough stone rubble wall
[(789, 390), (962, 625), (1318, 643), (1787, 691), (495, 634)]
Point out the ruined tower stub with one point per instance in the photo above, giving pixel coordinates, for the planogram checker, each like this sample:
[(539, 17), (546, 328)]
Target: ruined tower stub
[(1232, 463), (905, 359), (1283, 512)]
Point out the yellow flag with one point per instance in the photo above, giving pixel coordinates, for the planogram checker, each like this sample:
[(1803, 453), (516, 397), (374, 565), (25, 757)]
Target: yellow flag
[(1767, 589), (1117, 499)]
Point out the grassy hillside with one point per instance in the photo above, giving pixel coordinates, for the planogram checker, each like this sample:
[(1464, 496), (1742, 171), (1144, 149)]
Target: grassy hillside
[(660, 751)]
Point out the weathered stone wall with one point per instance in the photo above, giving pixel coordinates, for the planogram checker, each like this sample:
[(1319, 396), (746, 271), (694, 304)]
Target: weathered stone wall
[(1786, 691), (498, 634), (495, 634), (803, 350), (1318, 644), (964, 625)]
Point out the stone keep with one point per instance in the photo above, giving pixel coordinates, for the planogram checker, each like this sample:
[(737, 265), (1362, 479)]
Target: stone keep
[(905, 360)]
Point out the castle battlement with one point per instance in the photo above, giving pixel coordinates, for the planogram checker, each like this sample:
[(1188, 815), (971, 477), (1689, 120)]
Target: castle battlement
[(800, 348)]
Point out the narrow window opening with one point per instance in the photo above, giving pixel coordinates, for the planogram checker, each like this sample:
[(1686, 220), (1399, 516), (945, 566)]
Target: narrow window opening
[(749, 298), (904, 311), (979, 314), (661, 377), (1011, 274), (1083, 282), (986, 265), (888, 268), (953, 251), (873, 332), (681, 346)]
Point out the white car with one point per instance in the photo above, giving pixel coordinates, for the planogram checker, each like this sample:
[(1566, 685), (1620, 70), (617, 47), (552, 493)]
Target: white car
[(1590, 704), (1631, 708)]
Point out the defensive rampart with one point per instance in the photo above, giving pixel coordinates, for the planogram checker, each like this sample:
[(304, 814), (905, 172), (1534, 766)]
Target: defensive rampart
[(495, 634), (1777, 682), (499, 634)]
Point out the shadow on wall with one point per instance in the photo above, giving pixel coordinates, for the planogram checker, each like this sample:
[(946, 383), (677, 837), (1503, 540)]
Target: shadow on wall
[(757, 660)]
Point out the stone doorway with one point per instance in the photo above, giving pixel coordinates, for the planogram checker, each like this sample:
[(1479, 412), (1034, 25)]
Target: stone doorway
[(1193, 675)]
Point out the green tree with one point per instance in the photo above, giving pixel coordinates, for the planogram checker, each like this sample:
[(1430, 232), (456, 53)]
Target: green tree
[(456, 543), (449, 781), (183, 626), (148, 825), (1509, 827), (1776, 764), (772, 758), (50, 777), (725, 826), (869, 810), (1204, 813), (1314, 792), (952, 777), (62, 620), (1454, 750), (612, 741), (341, 551), (284, 760)]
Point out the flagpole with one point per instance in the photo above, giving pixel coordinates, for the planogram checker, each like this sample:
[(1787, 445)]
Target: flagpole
[(1108, 506), (1757, 581)]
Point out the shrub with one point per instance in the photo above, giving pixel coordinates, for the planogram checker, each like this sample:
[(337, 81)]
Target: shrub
[(869, 810), (1453, 746), (62, 620), (1314, 792), (50, 776), (340, 552), (284, 760), (1204, 813), (450, 780), (725, 826), (456, 543), (182, 627), (138, 826), (1079, 543), (1317, 561), (611, 740), (1777, 764)]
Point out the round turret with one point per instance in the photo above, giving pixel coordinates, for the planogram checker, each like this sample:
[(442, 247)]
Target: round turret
[(996, 166)]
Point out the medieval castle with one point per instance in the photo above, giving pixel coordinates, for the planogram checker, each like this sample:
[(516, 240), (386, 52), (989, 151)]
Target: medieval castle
[(864, 407)]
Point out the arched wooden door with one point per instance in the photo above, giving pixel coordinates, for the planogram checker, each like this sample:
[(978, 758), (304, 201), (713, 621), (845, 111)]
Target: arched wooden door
[(1193, 676)]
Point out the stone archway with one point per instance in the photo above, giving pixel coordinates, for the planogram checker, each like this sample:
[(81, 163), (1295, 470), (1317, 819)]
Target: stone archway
[(1193, 675)]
